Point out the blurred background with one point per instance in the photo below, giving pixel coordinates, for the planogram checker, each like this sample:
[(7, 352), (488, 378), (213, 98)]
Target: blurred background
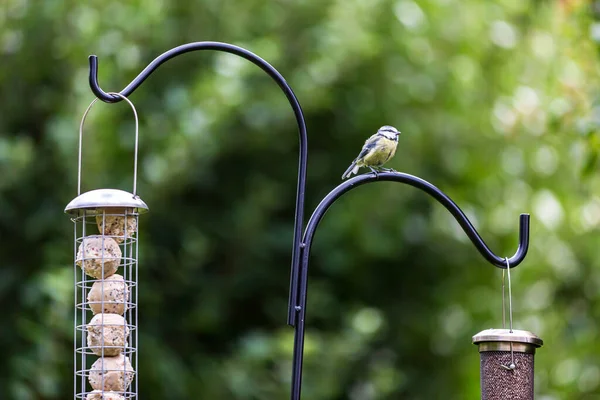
[(498, 105)]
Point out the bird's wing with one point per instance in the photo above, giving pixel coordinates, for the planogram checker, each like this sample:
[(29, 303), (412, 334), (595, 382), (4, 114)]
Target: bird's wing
[(370, 143)]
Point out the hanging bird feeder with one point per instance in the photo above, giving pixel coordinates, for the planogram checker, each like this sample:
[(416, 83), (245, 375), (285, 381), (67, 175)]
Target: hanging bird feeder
[(106, 291), (506, 363), (506, 356)]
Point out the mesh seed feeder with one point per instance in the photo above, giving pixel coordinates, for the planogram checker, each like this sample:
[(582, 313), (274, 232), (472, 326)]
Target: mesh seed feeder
[(506, 363), (106, 275), (506, 357)]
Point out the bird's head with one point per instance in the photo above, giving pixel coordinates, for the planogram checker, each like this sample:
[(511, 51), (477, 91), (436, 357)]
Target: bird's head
[(389, 132)]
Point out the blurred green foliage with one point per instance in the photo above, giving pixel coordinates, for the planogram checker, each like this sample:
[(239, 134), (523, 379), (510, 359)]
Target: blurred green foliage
[(498, 104)]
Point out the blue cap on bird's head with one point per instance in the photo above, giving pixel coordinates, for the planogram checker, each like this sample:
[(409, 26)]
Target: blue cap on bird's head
[(389, 131)]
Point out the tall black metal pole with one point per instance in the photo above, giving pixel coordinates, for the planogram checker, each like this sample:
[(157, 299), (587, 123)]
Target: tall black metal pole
[(353, 183), (289, 94)]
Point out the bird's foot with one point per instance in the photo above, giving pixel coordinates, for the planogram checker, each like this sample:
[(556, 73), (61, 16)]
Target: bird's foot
[(374, 171)]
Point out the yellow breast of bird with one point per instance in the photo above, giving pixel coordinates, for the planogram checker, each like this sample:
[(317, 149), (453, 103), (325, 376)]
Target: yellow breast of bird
[(383, 151)]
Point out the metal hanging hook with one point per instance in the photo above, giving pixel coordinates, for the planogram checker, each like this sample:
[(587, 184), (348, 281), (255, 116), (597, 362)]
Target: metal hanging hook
[(135, 156), (442, 198), (112, 97), (300, 307)]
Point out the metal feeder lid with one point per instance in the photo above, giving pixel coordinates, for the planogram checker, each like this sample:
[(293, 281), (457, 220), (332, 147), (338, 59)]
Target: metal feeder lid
[(103, 198), (504, 335)]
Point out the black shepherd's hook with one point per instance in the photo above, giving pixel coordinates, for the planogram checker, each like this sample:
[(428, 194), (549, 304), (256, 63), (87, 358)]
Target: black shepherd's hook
[(461, 218), (301, 248), (277, 77)]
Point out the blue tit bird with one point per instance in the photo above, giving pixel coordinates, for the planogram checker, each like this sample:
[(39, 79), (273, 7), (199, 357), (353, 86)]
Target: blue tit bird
[(377, 150)]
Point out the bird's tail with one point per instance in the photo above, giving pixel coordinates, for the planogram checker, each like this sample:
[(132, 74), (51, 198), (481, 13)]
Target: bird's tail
[(352, 169)]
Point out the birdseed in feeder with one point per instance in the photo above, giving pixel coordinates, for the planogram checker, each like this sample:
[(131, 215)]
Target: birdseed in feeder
[(98, 395), (117, 372), (114, 222), (106, 331), (91, 252), (116, 293)]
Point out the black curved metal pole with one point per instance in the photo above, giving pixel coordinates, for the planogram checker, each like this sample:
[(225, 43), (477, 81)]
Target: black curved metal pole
[(289, 93), (411, 180)]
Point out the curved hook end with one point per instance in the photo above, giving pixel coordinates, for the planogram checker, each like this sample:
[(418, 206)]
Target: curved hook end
[(524, 221), (101, 94)]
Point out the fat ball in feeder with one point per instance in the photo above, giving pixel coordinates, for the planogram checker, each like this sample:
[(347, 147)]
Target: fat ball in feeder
[(107, 334), (99, 256), (113, 222), (109, 295), (111, 373), (102, 395)]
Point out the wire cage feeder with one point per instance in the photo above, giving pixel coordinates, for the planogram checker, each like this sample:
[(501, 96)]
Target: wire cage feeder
[(106, 287)]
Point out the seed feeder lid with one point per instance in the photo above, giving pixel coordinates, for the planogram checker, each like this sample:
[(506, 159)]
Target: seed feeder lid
[(501, 339), (106, 198)]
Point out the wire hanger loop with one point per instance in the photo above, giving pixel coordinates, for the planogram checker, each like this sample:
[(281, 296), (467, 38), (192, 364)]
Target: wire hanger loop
[(135, 157)]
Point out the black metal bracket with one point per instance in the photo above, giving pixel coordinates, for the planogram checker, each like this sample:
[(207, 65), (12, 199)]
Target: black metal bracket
[(301, 248), (360, 180), (289, 94)]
